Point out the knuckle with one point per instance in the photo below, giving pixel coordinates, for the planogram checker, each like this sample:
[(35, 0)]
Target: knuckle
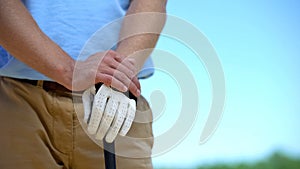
[(130, 74), (106, 80), (104, 70), (132, 61), (106, 59), (116, 74), (111, 52)]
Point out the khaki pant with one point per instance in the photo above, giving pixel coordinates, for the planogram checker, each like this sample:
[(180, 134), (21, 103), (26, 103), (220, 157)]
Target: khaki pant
[(40, 130)]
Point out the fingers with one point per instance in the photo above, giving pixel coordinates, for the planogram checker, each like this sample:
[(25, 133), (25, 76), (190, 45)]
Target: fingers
[(135, 86), (87, 99), (124, 117), (119, 73), (100, 100), (115, 81), (108, 117), (129, 118), (117, 123), (115, 114)]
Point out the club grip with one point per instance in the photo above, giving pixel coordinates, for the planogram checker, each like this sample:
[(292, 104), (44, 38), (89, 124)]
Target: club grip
[(128, 94)]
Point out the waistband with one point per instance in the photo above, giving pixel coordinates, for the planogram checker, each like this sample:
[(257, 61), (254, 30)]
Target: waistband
[(50, 86)]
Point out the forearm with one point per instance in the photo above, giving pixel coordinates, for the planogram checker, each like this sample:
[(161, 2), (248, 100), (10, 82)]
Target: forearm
[(141, 28), (21, 36)]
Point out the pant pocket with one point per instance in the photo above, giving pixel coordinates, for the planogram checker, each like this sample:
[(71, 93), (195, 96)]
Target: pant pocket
[(63, 124)]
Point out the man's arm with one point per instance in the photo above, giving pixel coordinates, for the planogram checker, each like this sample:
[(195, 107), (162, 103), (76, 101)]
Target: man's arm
[(142, 16), (21, 37)]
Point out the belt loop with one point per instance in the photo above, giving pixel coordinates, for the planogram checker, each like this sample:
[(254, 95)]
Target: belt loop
[(40, 83)]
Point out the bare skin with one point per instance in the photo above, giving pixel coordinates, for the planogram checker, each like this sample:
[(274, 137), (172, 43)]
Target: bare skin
[(21, 36)]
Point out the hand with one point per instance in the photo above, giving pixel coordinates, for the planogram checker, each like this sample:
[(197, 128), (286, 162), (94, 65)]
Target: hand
[(109, 68), (106, 112)]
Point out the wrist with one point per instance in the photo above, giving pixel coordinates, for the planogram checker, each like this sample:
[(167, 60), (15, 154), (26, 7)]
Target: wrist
[(65, 73)]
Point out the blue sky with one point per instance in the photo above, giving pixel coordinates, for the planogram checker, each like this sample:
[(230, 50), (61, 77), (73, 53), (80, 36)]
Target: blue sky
[(258, 45)]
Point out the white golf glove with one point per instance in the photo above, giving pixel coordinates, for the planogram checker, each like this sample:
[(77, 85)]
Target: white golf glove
[(108, 111)]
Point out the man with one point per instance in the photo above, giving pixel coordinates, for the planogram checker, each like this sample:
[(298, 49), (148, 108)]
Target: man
[(40, 75)]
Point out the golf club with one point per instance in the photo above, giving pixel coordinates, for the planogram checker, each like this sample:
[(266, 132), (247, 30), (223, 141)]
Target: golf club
[(109, 156), (109, 148)]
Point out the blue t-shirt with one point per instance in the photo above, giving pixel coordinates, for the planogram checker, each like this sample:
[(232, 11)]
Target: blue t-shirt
[(80, 28)]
